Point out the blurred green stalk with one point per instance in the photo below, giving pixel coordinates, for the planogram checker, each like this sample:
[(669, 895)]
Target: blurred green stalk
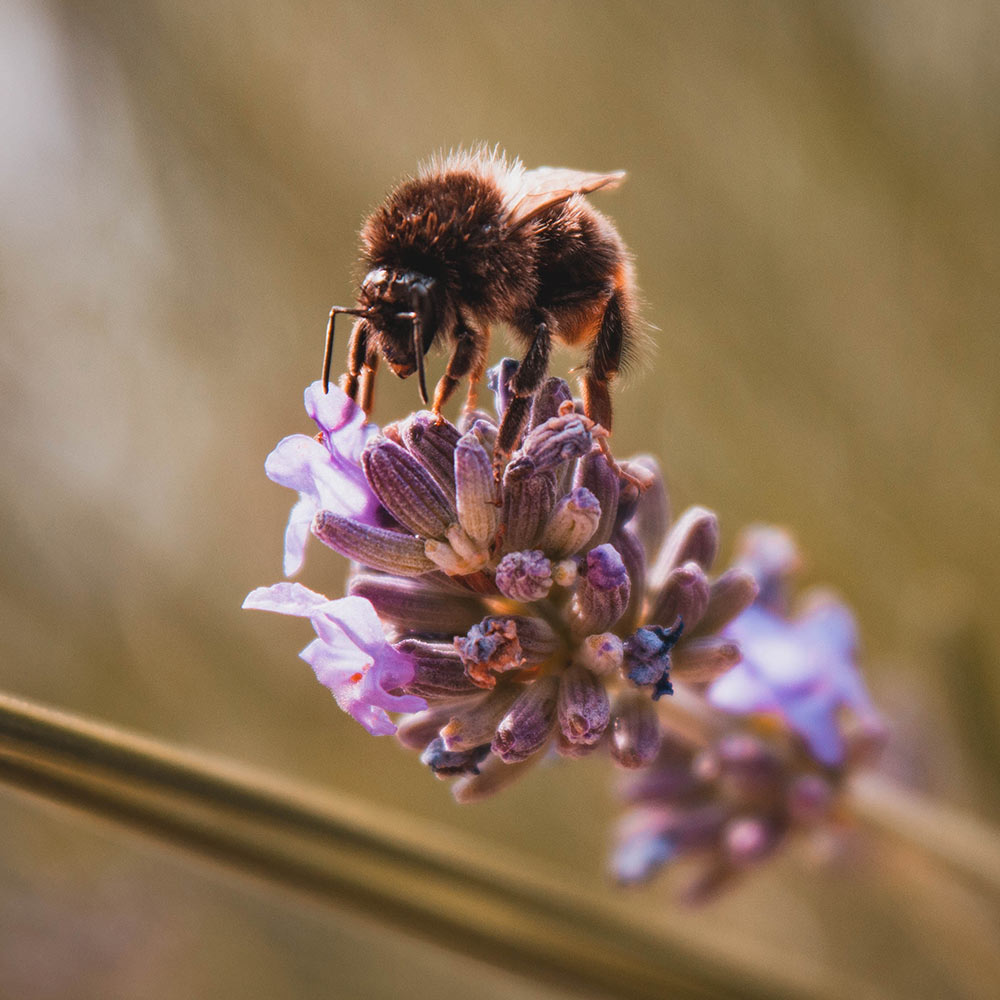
[(419, 879)]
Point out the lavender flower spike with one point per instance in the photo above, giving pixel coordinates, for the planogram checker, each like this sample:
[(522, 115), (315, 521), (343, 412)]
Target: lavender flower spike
[(350, 656), (326, 471)]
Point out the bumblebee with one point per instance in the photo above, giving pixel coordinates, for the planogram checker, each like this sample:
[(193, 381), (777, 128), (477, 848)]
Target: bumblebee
[(472, 241)]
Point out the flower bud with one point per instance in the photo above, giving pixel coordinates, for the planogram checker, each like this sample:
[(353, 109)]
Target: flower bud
[(447, 763), (635, 735), (524, 576), (432, 441), (601, 654), (562, 438), (525, 729), (378, 548), (694, 538), (406, 489), (595, 473), (475, 490), (528, 498), (438, 671), (491, 647), (700, 661), (602, 595), (416, 606), (647, 657), (584, 710), (473, 724), (572, 524), (549, 398), (684, 596), (652, 511), (730, 594)]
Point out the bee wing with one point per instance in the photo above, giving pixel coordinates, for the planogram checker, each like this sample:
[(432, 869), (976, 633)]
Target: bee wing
[(547, 186)]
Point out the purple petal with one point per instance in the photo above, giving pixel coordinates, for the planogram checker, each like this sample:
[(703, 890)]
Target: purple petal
[(296, 533), (351, 656), (740, 691), (286, 599), (340, 419), (814, 718)]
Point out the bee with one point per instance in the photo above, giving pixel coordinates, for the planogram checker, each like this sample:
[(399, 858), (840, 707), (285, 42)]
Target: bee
[(473, 241)]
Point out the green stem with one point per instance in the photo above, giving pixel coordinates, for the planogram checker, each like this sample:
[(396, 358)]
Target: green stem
[(420, 879)]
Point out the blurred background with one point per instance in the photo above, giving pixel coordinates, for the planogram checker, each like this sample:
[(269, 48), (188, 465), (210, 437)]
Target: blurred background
[(813, 205)]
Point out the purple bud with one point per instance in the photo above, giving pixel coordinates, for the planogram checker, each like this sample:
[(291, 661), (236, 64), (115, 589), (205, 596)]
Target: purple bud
[(562, 438), (475, 490), (630, 549), (528, 499), (406, 489), (415, 606), (652, 512), (572, 524), (474, 723), (594, 473), (415, 731), (749, 839), (524, 576), (647, 657), (729, 596), (635, 735), (448, 763), (432, 441), (549, 398), (525, 729), (602, 595), (438, 671), (694, 538), (684, 596), (378, 548), (584, 710), (601, 654), (700, 661), (491, 647)]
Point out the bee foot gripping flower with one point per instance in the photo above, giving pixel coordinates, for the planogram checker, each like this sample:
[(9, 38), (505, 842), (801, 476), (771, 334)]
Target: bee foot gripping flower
[(778, 747)]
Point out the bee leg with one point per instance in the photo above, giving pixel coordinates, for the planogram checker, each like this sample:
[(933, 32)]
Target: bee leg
[(357, 352), (523, 386), (367, 383), (468, 358), (603, 364)]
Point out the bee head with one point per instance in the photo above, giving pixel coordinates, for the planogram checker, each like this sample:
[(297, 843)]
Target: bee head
[(401, 306)]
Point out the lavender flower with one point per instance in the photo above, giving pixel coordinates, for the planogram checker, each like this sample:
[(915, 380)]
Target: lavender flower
[(350, 655), (326, 469), (735, 791), (518, 610)]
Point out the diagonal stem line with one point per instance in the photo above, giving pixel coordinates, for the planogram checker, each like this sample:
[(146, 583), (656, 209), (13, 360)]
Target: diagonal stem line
[(418, 878)]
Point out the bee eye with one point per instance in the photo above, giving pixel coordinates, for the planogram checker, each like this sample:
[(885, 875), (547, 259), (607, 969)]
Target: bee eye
[(486, 227)]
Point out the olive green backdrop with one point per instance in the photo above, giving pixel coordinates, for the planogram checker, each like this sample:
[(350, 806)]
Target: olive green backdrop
[(813, 206)]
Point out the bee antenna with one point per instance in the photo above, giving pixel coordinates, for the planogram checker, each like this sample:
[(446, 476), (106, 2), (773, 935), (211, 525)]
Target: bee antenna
[(328, 351)]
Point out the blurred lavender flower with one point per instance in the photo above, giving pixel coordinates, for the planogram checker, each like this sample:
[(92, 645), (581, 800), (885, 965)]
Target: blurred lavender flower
[(734, 794), (546, 608)]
